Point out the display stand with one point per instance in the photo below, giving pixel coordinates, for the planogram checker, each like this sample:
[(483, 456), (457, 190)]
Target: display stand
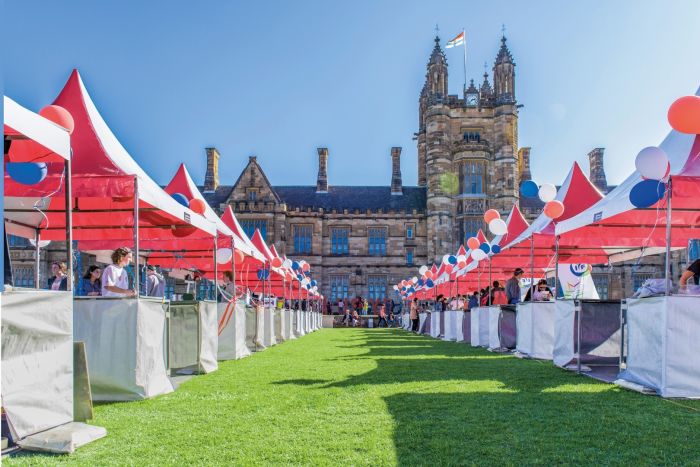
[(192, 337), (269, 337), (232, 331), (37, 360), (466, 327), (662, 345), (124, 346), (259, 328), (299, 323), (251, 325), (435, 319), (279, 325), (406, 321), (422, 318), (587, 337), (535, 329), (480, 326), (453, 325), (502, 327), (427, 324)]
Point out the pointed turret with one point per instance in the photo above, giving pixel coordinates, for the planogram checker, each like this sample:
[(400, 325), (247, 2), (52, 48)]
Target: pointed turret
[(436, 76), (504, 75)]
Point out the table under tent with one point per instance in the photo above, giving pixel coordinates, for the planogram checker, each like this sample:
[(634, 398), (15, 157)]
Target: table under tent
[(659, 342), (117, 204), (37, 325)]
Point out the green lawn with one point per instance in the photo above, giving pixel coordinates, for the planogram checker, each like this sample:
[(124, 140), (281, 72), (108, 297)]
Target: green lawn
[(386, 397)]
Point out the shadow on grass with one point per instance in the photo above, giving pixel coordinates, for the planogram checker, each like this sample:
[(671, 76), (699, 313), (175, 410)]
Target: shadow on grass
[(303, 382)]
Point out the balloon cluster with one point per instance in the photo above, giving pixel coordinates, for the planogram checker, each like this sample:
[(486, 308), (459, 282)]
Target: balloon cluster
[(31, 173), (653, 165), (546, 192), (195, 204)]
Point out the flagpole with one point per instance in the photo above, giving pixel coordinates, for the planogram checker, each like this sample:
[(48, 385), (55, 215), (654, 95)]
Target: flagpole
[(464, 43)]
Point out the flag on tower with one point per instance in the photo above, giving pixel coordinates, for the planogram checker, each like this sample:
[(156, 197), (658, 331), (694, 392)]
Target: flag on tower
[(459, 40)]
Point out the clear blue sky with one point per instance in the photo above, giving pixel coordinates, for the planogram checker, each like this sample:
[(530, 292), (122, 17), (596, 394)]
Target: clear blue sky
[(278, 79)]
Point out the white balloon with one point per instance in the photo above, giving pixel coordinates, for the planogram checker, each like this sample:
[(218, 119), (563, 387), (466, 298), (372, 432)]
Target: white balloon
[(287, 263), (446, 259), (305, 281), (224, 255), (652, 163), (479, 254), (414, 279), (547, 192), (423, 269), (461, 258), (396, 287), (498, 227)]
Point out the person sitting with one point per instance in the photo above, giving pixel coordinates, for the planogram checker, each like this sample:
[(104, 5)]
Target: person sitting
[(542, 292), (115, 279), (59, 280), (91, 282), (355, 318), (691, 274)]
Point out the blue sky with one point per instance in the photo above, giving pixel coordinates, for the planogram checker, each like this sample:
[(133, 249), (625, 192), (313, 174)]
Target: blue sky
[(278, 79)]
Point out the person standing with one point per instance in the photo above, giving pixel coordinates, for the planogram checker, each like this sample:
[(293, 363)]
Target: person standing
[(155, 283), (473, 300), (59, 280), (115, 280), (691, 274), (341, 307), (513, 287), (382, 316), (91, 283), (413, 316)]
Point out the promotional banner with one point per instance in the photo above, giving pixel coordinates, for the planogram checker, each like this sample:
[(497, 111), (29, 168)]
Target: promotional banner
[(576, 281)]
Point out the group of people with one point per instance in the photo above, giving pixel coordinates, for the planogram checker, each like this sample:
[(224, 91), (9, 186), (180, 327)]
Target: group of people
[(112, 281), (351, 315)]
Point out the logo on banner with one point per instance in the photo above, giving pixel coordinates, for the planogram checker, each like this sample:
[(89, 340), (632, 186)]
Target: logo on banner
[(580, 270), (187, 217), (597, 216)]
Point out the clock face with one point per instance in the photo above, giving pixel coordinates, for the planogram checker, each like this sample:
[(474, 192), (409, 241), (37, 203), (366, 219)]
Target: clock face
[(472, 99)]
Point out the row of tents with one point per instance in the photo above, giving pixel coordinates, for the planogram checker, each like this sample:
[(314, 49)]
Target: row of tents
[(85, 189), (651, 343)]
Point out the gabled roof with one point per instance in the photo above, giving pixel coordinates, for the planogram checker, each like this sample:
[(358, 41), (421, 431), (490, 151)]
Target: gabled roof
[(253, 162)]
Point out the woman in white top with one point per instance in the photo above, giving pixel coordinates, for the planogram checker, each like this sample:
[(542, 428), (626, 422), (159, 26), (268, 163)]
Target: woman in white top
[(115, 280)]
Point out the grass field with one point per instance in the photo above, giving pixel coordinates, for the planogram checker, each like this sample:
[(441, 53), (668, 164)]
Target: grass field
[(387, 397)]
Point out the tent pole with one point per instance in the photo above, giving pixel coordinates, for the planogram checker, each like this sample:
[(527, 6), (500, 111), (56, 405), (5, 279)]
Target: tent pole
[(69, 225), (667, 266), (490, 283), (233, 268), (216, 263), (137, 276), (37, 260), (532, 268), (556, 267)]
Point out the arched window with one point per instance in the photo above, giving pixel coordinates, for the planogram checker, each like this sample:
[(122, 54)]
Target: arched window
[(473, 177)]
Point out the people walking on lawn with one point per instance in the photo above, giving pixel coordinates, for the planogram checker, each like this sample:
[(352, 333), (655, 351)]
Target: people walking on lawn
[(413, 315)]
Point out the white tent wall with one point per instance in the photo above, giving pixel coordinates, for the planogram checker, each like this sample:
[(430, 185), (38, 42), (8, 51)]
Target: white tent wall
[(299, 323), (480, 327), (260, 328), (269, 339), (37, 360), (663, 346), (453, 325), (494, 341), (251, 325), (564, 350), (279, 326), (208, 336), (535, 325), (406, 321), (435, 323), (124, 346), (288, 324)]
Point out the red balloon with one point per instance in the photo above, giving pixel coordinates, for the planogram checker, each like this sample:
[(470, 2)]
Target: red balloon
[(276, 262), (59, 116), (684, 115), (182, 231), (198, 206), (490, 215), (449, 268), (239, 257), (554, 209)]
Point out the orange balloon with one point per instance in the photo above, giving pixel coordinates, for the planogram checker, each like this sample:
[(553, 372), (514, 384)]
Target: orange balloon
[(473, 243), (198, 205), (554, 209), (490, 215), (462, 264), (684, 115), (305, 267), (428, 274), (276, 262), (59, 116)]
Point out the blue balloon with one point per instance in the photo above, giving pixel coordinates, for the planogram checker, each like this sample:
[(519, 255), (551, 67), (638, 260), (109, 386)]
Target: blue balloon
[(421, 282), (295, 265), (27, 173), (452, 259), (182, 199), (308, 286), (307, 273), (313, 283), (300, 277), (647, 193), (261, 274), (495, 249), (403, 289), (529, 189), (429, 283), (485, 248)]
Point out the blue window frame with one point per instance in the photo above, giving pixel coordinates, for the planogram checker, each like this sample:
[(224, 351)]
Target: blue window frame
[(410, 231), (339, 286), (409, 256), (376, 287), (473, 177), (249, 226), (339, 241), (302, 238), (377, 241)]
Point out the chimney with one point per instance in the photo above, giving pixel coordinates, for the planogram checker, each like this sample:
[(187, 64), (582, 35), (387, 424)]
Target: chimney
[(396, 187), (211, 178), (322, 181), (524, 157), (597, 170)]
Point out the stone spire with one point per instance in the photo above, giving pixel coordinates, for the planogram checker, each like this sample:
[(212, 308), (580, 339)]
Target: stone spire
[(322, 181), (597, 169), (211, 177), (436, 76), (485, 89), (396, 185), (504, 75)]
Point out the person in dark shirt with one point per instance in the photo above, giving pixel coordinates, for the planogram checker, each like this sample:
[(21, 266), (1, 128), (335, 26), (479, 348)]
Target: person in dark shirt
[(691, 274)]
